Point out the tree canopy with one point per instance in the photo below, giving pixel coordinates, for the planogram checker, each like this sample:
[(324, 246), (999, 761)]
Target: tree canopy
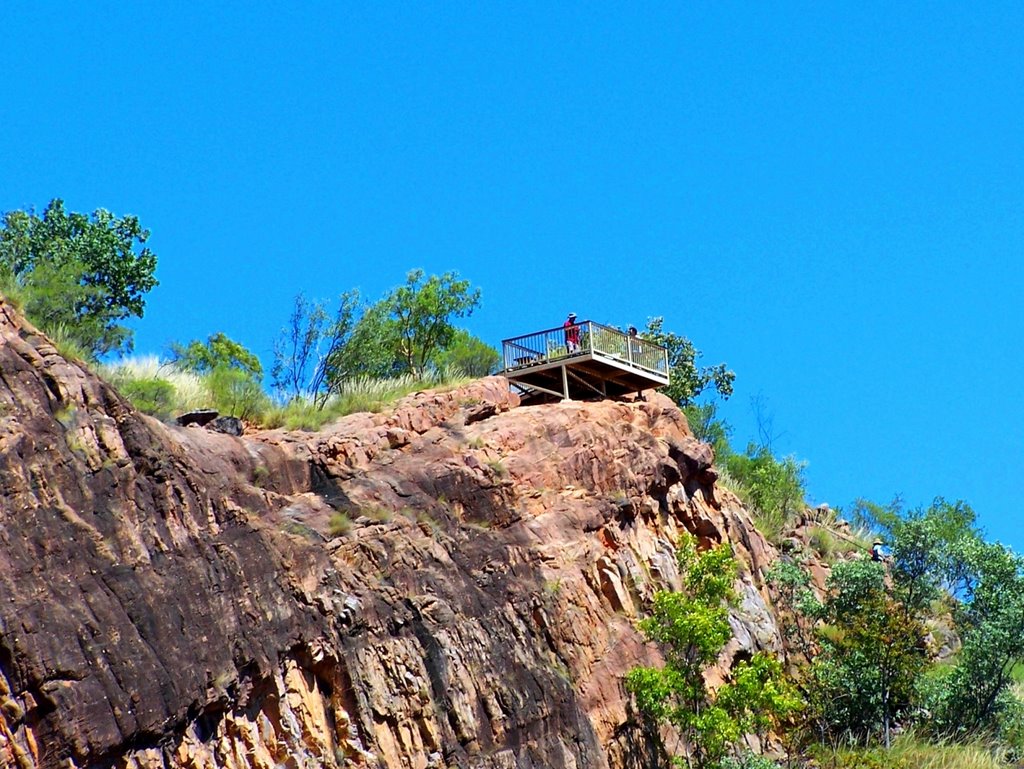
[(687, 381), (79, 274)]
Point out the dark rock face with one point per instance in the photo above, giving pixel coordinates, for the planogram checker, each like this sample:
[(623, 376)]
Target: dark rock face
[(130, 584), (451, 584)]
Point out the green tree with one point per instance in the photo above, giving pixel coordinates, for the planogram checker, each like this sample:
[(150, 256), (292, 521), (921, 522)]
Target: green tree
[(85, 273), (469, 355), (231, 372), (407, 331), (420, 315), (989, 587), (687, 381), (218, 351), (691, 627), (939, 559), (311, 345), (369, 350), (873, 654)]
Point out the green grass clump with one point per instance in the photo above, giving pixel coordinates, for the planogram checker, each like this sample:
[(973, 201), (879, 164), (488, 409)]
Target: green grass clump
[(822, 541), (339, 525), (69, 348), (377, 513), (135, 377), (497, 467)]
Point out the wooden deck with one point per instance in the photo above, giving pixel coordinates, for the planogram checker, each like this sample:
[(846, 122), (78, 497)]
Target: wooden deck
[(594, 362)]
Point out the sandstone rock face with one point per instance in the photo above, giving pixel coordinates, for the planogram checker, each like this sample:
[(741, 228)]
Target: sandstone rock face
[(453, 583)]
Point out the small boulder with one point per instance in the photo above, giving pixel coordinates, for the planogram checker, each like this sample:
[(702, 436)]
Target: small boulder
[(200, 417), (227, 425)]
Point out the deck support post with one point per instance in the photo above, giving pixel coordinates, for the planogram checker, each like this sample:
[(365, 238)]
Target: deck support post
[(565, 384)]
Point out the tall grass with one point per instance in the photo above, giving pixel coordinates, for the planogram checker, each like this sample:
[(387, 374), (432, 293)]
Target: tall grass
[(191, 391), (909, 752), (356, 395), (70, 348), (131, 377), (160, 389)]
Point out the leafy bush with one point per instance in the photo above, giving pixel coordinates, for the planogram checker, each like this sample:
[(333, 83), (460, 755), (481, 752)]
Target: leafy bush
[(150, 396), (692, 626), (235, 393), (866, 677), (773, 487), (469, 355)]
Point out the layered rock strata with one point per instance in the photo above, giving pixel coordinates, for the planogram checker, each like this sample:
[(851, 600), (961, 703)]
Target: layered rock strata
[(452, 583)]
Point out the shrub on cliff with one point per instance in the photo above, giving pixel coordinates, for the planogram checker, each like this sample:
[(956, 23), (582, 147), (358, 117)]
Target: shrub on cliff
[(691, 627), (773, 487)]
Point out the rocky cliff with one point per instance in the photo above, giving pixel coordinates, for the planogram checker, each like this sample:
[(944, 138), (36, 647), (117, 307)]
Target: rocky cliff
[(453, 583)]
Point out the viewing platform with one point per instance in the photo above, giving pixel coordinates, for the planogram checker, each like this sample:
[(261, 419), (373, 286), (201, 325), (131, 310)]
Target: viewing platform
[(586, 360)]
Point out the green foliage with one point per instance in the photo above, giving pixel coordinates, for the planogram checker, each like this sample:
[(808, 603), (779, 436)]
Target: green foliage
[(990, 621), (692, 626), (339, 524), (218, 352), (150, 396), (66, 340), (773, 487), (310, 347), (866, 676), (749, 761), (796, 604), (87, 272), (939, 552), (408, 331), (469, 355), (236, 393), (231, 372), (687, 381), (188, 391), (420, 315)]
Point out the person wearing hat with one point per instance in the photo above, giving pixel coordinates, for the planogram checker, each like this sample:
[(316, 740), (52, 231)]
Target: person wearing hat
[(876, 551), (572, 334)]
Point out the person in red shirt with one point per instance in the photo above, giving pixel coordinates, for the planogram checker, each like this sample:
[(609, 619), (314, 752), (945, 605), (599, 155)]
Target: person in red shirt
[(572, 334)]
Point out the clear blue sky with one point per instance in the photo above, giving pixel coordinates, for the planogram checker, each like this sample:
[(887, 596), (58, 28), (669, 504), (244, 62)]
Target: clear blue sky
[(828, 197)]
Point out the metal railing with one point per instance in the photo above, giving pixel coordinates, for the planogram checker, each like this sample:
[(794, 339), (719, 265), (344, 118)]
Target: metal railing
[(587, 338)]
